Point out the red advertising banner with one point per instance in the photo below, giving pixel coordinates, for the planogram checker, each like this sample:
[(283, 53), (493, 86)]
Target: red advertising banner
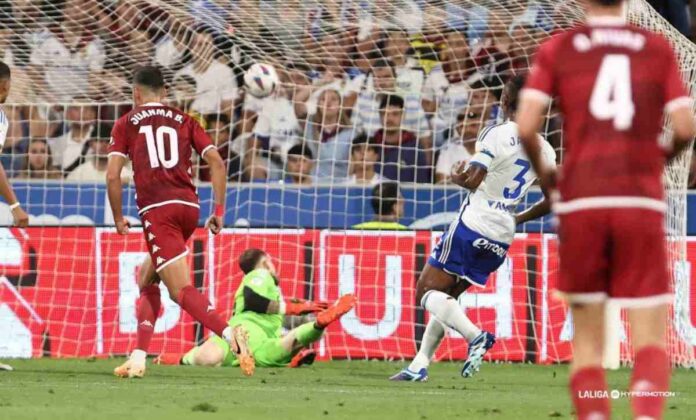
[(71, 292)]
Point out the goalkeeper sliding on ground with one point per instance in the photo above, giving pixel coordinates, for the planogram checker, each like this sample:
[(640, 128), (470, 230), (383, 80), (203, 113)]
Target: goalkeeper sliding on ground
[(259, 307)]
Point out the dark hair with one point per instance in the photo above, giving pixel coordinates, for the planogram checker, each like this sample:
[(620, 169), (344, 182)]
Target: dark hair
[(5, 72), (362, 139), (103, 131), (384, 198), (391, 100), (382, 62), (149, 77), (512, 91), (249, 259), (213, 118), (301, 150)]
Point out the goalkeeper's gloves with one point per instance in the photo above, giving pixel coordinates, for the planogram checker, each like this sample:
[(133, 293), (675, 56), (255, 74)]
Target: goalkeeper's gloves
[(302, 307)]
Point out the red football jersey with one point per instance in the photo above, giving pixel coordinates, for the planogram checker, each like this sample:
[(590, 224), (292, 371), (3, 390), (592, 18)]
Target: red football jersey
[(612, 82), (158, 140)]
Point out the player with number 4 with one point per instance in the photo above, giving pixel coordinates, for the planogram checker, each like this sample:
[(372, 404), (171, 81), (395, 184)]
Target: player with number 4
[(158, 140)]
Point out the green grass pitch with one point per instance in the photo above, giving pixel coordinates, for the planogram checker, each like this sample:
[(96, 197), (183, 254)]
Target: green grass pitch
[(355, 390)]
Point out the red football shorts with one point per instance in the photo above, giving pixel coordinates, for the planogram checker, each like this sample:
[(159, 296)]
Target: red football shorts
[(166, 230), (617, 253)]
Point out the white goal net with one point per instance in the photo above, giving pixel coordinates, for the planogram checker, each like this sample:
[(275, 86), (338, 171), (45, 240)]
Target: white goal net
[(372, 92)]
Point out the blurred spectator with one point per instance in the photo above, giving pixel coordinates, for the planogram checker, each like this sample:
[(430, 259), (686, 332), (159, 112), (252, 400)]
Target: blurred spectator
[(446, 90), (460, 145), (481, 98), (299, 166), (67, 57), (388, 205), (183, 93), (364, 154), (170, 50), (380, 83), (492, 58), (216, 86), (277, 126), (410, 76), (329, 134), (255, 168), (676, 12), (402, 157), (218, 128), (295, 88), (67, 149), (94, 168), (38, 162)]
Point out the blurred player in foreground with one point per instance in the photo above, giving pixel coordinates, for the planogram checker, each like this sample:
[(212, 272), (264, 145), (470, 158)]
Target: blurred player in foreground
[(21, 219), (158, 140), (613, 83), (259, 307), (476, 243)]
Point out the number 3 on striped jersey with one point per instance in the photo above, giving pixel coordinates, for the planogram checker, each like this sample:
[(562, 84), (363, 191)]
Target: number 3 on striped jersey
[(612, 97), (157, 152)]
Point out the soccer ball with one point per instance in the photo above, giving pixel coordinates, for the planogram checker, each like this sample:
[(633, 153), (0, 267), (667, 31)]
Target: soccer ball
[(261, 80)]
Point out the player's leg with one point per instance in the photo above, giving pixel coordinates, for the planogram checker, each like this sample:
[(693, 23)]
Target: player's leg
[(176, 277), (642, 286), (280, 351), (211, 353), (434, 291), (584, 280), (147, 311)]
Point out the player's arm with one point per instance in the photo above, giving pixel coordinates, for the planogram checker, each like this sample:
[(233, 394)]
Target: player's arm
[(21, 219), (539, 209), (114, 189), (472, 175), (469, 177), (218, 175), (256, 302), (684, 130), (678, 105)]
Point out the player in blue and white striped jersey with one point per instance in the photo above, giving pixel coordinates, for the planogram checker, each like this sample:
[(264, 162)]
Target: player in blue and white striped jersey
[(476, 244), (21, 219)]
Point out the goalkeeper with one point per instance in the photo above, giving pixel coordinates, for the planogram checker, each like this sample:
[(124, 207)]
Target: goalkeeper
[(260, 308)]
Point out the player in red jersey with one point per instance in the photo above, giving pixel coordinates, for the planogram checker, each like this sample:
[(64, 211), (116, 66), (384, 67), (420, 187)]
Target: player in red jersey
[(613, 82), (158, 140)]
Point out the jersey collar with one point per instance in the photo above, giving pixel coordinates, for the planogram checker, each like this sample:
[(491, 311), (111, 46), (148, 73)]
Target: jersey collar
[(606, 20), (152, 104)]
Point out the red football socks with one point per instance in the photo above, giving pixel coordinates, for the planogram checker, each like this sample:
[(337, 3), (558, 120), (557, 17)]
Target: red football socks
[(650, 382), (588, 389), (193, 302), (147, 313)]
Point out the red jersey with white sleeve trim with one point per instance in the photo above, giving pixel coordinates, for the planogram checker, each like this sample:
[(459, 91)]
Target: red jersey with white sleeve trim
[(612, 83), (158, 140)]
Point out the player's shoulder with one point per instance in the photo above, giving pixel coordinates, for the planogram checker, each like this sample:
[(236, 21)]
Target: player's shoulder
[(258, 277)]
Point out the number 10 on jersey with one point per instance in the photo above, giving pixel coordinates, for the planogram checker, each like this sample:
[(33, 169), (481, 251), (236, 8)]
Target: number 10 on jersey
[(156, 146)]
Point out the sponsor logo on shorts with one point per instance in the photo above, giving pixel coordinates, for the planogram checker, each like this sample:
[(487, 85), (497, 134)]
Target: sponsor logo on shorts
[(485, 244)]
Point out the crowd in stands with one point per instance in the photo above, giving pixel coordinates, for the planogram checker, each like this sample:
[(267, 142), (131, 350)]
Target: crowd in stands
[(399, 92)]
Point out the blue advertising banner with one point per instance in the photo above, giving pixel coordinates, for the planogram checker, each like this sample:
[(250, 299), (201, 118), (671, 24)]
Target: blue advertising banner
[(264, 205)]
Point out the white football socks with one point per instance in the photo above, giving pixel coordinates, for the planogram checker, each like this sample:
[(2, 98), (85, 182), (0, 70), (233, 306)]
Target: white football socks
[(138, 356), (446, 309), (434, 332)]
